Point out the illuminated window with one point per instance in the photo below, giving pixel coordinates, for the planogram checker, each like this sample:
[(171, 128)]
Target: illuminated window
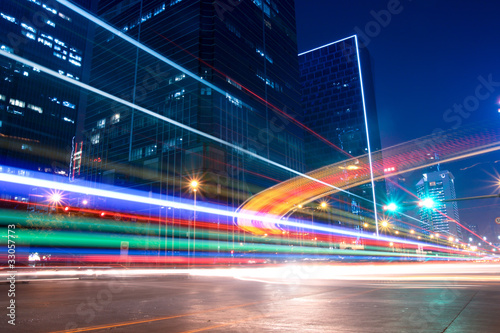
[(52, 10), (95, 139), (174, 2), (160, 9), (8, 18), (150, 150), (74, 62), (35, 108), (17, 102), (28, 34), (74, 56), (101, 123), (29, 28), (115, 119), (231, 82), (69, 120), (2, 97), (7, 49), (60, 56), (69, 105), (44, 42), (234, 100), (49, 37), (59, 42), (64, 17)]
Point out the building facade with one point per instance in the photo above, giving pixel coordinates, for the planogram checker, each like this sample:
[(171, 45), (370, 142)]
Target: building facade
[(38, 112), (444, 217), (338, 102), (230, 72)]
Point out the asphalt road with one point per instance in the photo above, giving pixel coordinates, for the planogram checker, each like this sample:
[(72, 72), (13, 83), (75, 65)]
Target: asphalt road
[(427, 303)]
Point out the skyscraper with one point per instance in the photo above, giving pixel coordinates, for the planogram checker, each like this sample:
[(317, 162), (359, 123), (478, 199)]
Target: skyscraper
[(238, 83), (338, 102), (37, 112), (443, 218)]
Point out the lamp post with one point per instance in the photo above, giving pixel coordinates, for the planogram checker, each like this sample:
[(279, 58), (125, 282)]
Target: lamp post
[(194, 188)]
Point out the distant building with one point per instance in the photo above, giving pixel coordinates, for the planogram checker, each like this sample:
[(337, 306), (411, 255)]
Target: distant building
[(444, 218), (38, 113), (338, 102)]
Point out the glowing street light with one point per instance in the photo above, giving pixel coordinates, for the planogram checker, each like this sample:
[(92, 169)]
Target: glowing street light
[(194, 187), (323, 205), (412, 231), (384, 223), (55, 198)]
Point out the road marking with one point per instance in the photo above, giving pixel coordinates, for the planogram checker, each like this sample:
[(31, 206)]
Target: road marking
[(135, 322)]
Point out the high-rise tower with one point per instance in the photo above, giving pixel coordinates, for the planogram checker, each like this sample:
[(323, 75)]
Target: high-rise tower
[(443, 218), (38, 112), (230, 72)]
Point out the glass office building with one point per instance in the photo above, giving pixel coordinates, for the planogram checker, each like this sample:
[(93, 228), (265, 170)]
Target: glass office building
[(230, 72), (444, 219), (38, 114), (338, 102)]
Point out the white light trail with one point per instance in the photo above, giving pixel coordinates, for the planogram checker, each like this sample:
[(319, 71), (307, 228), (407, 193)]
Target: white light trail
[(36, 182)]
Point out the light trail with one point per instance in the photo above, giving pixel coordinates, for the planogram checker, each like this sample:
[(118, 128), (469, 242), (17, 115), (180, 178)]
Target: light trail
[(166, 119), (307, 272), (285, 197)]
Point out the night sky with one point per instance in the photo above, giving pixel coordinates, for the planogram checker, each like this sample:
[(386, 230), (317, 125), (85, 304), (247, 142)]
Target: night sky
[(427, 58)]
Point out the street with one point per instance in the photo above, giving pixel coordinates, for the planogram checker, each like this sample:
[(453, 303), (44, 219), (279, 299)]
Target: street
[(195, 303)]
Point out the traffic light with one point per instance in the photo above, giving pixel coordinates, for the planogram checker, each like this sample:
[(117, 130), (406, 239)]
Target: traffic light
[(392, 207), (427, 203)]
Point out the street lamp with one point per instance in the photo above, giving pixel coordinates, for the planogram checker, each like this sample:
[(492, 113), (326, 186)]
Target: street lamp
[(194, 187)]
